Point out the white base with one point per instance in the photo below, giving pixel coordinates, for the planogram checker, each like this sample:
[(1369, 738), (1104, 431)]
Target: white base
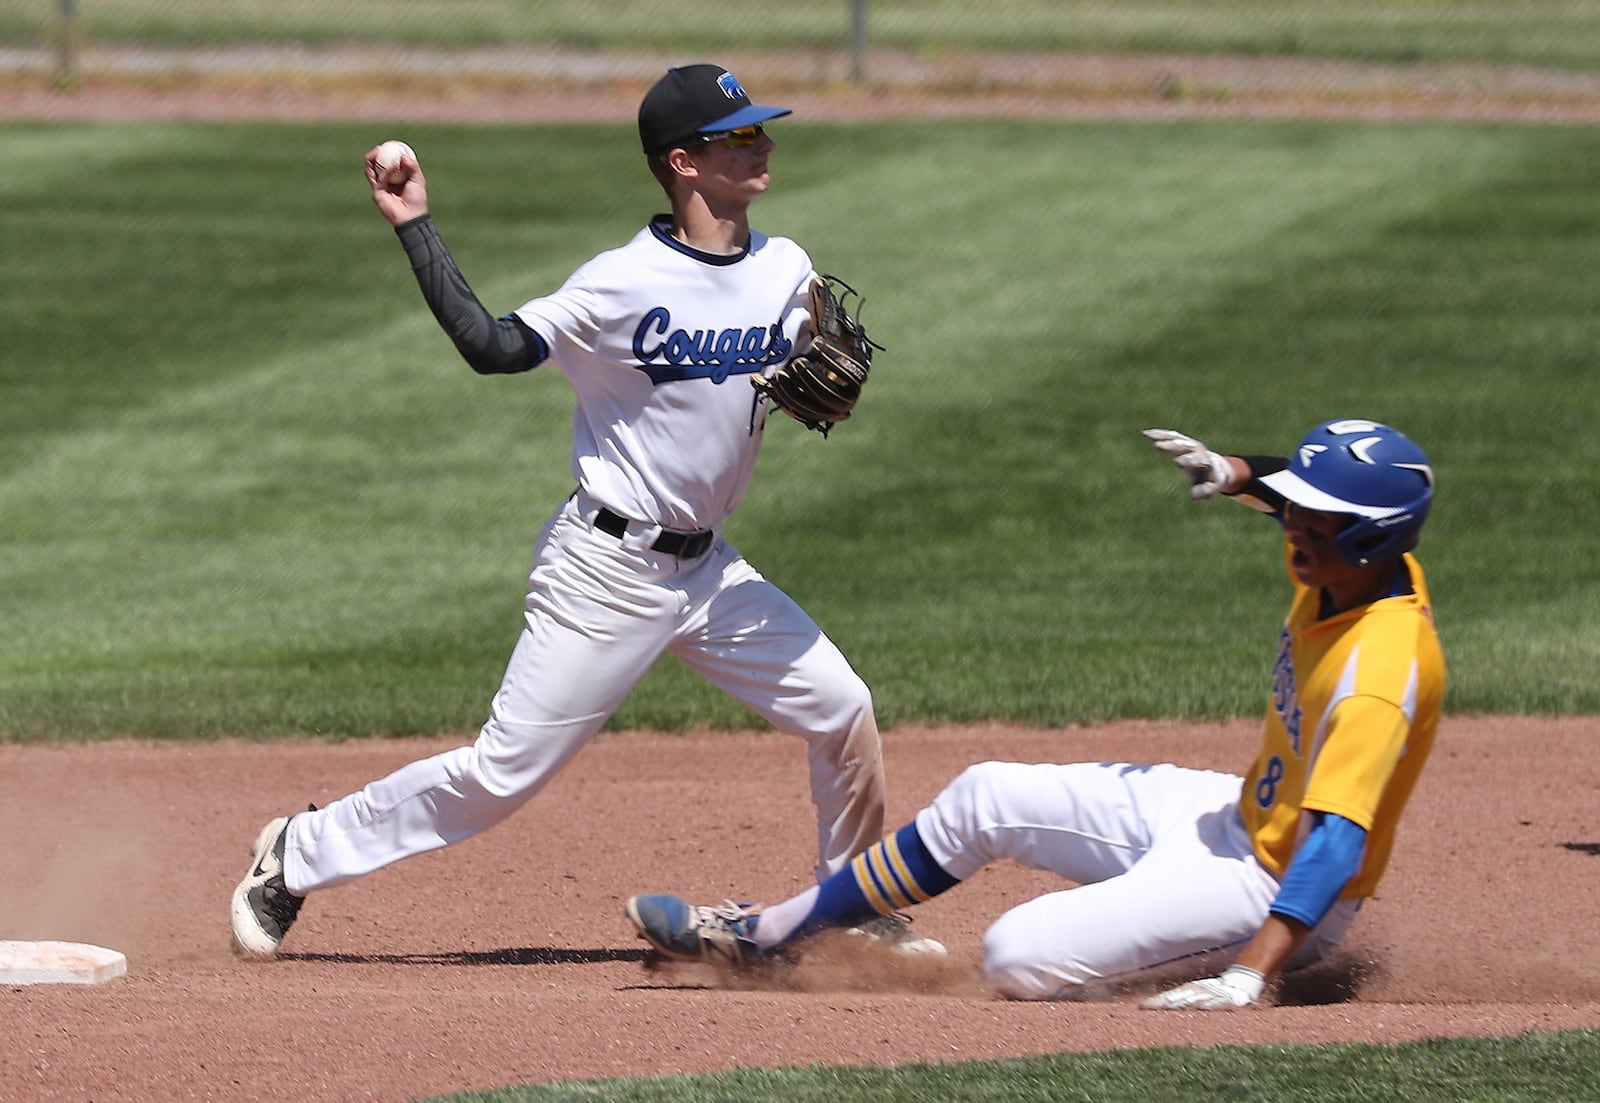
[(58, 963)]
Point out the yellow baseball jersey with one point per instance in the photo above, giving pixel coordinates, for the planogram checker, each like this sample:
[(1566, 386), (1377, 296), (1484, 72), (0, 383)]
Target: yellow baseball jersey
[(1355, 703)]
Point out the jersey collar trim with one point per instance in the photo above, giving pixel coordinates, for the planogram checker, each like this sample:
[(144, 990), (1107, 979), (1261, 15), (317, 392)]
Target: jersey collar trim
[(661, 227)]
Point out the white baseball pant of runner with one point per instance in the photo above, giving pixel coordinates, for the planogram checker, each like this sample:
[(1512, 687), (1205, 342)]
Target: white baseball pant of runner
[(1165, 870), (600, 610)]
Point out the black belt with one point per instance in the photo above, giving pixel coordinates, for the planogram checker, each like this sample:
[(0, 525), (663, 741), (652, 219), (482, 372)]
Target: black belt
[(684, 545)]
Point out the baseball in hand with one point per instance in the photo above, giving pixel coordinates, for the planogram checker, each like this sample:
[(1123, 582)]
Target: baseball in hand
[(390, 171)]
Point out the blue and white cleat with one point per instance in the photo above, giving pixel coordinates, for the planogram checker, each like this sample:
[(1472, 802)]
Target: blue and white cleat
[(697, 932)]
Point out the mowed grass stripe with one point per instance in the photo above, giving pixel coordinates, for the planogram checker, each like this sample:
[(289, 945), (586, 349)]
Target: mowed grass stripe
[(249, 487)]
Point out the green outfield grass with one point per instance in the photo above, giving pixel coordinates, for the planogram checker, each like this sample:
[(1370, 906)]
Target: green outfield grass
[(1525, 1069), (248, 488), (1561, 33)]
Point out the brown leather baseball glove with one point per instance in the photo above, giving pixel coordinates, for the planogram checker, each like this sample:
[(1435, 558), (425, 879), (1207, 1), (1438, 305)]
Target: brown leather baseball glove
[(820, 387)]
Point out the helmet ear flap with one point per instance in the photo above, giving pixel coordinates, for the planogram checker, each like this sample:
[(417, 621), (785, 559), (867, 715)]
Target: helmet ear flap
[(1360, 547), (1359, 550), (1366, 541)]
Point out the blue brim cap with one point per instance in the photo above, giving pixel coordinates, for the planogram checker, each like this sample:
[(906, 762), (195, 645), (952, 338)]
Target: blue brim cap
[(697, 99), (745, 116)]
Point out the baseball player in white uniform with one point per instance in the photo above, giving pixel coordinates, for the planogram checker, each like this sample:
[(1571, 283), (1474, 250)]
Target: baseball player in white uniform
[(659, 339), (1263, 872)]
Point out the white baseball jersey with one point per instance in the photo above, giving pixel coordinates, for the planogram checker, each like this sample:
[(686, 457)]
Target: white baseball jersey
[(658, 340)]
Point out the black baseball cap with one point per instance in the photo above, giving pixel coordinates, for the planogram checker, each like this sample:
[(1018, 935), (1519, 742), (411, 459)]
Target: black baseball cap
[(696, 99)]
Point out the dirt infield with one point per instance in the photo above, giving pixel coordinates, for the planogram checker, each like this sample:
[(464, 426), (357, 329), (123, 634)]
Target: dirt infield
[(507, 958), (550, 85)]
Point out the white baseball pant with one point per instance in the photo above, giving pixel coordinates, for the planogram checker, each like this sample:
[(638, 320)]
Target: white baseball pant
[(600, 610), (1165, 870)]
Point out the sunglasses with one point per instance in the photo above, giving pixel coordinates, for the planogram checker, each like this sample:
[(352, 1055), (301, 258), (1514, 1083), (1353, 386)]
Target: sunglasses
[(742, 138)]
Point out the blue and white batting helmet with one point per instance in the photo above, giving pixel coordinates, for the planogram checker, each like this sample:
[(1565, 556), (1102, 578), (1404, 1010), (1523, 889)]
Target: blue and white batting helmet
[(1366, 469)]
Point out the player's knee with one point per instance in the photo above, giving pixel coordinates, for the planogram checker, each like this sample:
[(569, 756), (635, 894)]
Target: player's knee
[(854, 699), (496, 784), (971, 800), (1015, 965), (844, 712), (513, 760), (954, 825), (1018, 976), (977, 782)]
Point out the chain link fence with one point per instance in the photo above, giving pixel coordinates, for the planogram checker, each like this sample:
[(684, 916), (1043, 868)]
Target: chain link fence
[(944, 46)]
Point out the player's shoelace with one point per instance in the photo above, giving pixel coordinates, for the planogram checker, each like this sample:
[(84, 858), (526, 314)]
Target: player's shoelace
[(727, 915)]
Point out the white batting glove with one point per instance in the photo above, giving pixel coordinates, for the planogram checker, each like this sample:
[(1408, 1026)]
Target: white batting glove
[(1208, 471), (1238, 986)]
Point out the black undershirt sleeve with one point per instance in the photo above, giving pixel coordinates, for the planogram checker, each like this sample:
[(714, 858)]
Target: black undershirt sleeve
[(490, 345), (1257, 494)]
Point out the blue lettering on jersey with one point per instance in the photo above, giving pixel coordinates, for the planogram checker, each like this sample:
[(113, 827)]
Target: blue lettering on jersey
[(1267, 786), (1285, 697), (668, 355)]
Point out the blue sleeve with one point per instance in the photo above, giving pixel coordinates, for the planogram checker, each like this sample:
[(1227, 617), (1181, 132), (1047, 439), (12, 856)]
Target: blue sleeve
[(1320, 869)]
